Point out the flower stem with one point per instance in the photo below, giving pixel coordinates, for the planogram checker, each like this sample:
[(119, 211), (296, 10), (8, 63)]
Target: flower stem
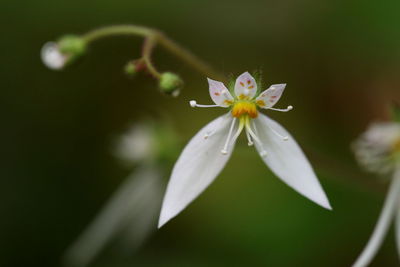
[(153, 37), (382, 226)]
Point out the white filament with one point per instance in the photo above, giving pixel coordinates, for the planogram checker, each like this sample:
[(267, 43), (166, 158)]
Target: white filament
[(249, 141), (263, 153), (238, 131), (382, 226), (289, 108), (224, 151), (284, 138), (193, 104)]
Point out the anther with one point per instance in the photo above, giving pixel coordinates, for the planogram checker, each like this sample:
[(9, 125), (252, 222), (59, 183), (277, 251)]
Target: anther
[(224, 152), (263, 153), (192, 103)]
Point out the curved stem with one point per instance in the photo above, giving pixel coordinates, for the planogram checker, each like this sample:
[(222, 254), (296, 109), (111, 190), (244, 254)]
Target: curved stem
[(148, 46), (156, 37), (384, 221)]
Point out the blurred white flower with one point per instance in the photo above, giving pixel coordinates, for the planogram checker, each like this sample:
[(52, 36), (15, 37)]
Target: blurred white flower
[(378, 150), (52, 57), (137, 144), (130, 215), (206, 154)]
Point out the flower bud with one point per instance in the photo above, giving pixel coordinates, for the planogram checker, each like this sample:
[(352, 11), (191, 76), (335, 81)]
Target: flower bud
[(56, 55), (170, 83), (131, 68), (72, 45), (52, 57)]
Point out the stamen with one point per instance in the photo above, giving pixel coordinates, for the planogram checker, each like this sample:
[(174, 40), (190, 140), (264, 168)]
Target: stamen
[(249, 141), (289, 108), (238, 131), (224, 151), (208, 134), (263, 153), (284, 138), (193, 104)]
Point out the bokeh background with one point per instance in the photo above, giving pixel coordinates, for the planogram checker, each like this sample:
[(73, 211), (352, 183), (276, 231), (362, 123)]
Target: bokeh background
[(340, 59)]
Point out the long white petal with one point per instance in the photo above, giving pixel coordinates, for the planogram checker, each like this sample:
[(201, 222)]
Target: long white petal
[(385, 218), (131, 213), (197, 167), (287, 160)]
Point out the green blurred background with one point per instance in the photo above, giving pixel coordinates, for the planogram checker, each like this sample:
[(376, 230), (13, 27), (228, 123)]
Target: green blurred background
[(340, 59)]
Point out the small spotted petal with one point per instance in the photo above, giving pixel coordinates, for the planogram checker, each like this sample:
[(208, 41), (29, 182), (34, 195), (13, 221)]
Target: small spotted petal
[(288, 162), (245, 86), (219, 93), (52, 57), (197, 167), (271, 96)]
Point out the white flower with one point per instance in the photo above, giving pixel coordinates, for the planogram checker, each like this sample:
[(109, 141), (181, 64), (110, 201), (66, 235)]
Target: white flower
[(52, 57), (206, 154), (138, 144), (377, 147), (130, 217), (378, 150)]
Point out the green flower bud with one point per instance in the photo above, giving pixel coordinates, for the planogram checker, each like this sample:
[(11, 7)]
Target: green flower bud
[(72, 47), (131, 68), (170, 83)]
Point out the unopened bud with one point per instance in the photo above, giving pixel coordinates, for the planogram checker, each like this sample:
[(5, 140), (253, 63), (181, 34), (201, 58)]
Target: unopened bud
[(52, 57), (56, 55), (72, 45), (131, 68), (170, 83)]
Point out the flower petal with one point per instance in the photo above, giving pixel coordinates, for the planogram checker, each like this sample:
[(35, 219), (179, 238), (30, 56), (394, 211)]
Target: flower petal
[(397, 229), (287, 161), (197, 167), (389, 210), (219, 93), (245, 86), (271, 96), (131, 214), (52, 57)]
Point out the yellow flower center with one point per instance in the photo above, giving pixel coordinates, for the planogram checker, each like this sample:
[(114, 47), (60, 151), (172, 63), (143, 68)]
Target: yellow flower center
[(396, 146), (244, 108)]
